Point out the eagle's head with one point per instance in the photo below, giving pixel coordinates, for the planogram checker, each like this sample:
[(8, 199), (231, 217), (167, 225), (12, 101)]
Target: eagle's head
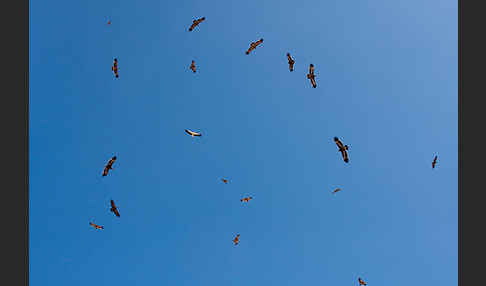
[(336, 139), (114, 157)]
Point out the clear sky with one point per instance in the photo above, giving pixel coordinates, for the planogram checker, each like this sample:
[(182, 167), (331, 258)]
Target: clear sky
[(387, 86)]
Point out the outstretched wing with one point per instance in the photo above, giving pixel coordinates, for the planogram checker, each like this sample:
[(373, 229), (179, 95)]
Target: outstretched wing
[(112, 160), (339, 143), (345, 156), (259, 42), (313, 82), (105, 171), (189, 132), (311, 69)]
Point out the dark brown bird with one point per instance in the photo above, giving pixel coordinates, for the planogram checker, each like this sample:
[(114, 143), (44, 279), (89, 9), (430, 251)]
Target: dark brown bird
[(193, 66), (196, 23), (343, 149), (291, 62), (224, 181), (114, 68), (96, 226), (434, 162), (253, 46), (237, 239), (114, 209), (336, 190), (361, 282), (312, 76), (247, 199), (109, 166)]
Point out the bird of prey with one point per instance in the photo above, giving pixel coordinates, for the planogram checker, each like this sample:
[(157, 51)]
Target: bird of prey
[(291, 62), (193, 133), (312, 76), (114, 68), (109, 166), (342, 148), (253, 46), (336, 190), (96, 226), (247, 199), (361, 282), (193, 66), (237, 239), (434, 162), (114, 209), (224, 181), (196, 22)]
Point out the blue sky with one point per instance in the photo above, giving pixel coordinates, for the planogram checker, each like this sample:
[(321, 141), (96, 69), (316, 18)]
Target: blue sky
[(387, 86)]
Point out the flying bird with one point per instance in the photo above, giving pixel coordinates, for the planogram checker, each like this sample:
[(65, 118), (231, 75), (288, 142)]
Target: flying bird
[(312, 76), (342, 148), (336, 190), (193, 66), (291, 62), (114, 209), (247, 199), (193, 133), (114, 68), (361, 282), (253, 46), (109, 166), (96, 226), (434, 162), (224, 181), (237, 239), (196, 22)]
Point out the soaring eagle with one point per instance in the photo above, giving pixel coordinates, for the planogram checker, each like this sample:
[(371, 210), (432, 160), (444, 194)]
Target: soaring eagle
[(237, 239), (253, 46), (434, 162), (342, 148), (193, 66), (361, 282), (196, 22), (109, 166), (291, 62), (114, 68), (224, 181), (114, 209), (336, 190), (96, 226), (193, 133), (312, 76), (247, 199)]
